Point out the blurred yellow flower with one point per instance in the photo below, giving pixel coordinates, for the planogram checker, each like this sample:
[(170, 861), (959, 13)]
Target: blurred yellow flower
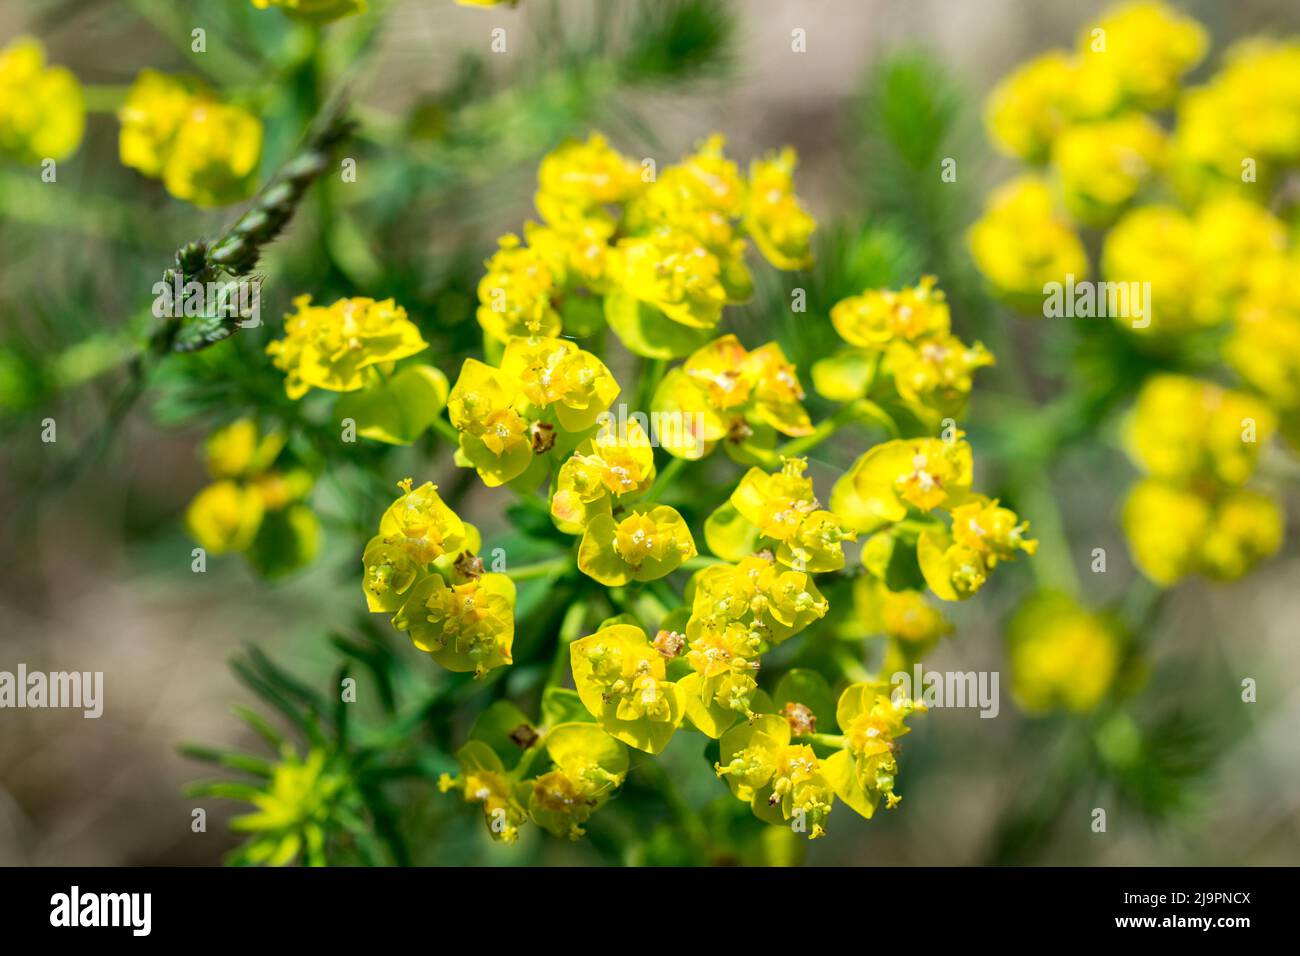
[(1146, 46), (42, 109), (1021, 243), (1102, 165), (204, 151), (1182, 428), (1063, 656)]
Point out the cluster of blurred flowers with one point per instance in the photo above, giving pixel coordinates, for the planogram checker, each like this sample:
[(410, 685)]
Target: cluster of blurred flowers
[(256, 503), (1187, 213), (173, 128), (656, 259)]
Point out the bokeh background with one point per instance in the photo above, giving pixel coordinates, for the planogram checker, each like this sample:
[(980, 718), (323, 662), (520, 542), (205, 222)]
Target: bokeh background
[(97, 570)]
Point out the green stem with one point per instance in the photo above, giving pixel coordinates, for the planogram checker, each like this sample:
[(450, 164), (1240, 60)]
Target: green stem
[(102, 98), (832, 741), (701, 561), (540, 569), (665, 479), (570, 631)]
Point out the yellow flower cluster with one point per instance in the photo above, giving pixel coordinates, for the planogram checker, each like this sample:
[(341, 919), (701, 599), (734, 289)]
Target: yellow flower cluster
[(1213, 267), (546, 394), (663, 253), (723, 391), (204, 151), (42, 109), (903, 352), (666, 254), (1199, 444), (901, 490), (421, 568), (251, 506)]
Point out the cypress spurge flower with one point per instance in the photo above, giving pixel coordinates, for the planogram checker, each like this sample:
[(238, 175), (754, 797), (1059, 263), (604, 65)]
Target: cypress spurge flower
[(1022, 242), (863, 772), (920, 473), (1063, 656), (621, 679), (588, 766), (516, 296), (545, 390), (725, 391), (779, 510), (780, 226), (782, 781), (612, 465), (956, 563), (645, 544), (464, 625), (771, 603), (251, 506), (175, 129), (331, 347), (42, 108), (483, 779)]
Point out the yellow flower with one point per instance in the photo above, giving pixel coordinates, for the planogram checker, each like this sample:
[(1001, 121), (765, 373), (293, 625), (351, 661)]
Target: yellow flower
[(589, 765), (863, 772), (646, 544), (319, 11), (881, 316), (555, 373), (576, 179), (610, 465), (1063, 656), (1173, 531), (420, 524), (1147, 48), (671, 271), (924, 473), (483, 779), (723, 390), (485, 407), (225, 516), (516, 296), (905, 616), (721, 688), (1102, 165), (331, 347), (780, 227), (782, 781), (1199, 268), (957, 562), (621, 678), (464, 627), (1264, 347), (1182, 428), (204, 151), (782, 508), (240, 449), (767, 603), (1020, 243), (42, 109), (1030, 106), (1249, 112)]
